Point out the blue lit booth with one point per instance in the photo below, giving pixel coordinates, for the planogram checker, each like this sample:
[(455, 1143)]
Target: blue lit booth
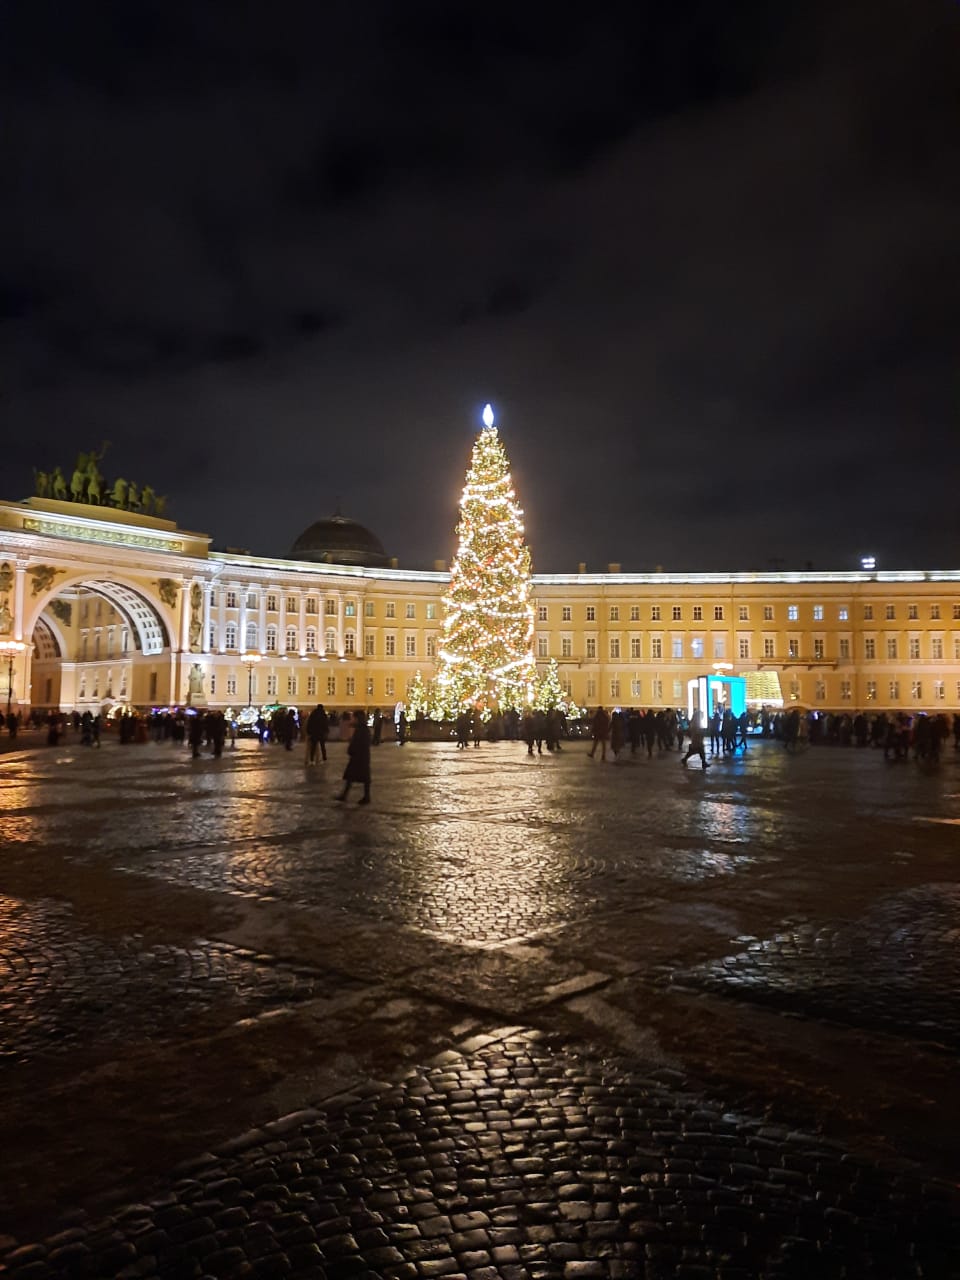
[(708, 694)]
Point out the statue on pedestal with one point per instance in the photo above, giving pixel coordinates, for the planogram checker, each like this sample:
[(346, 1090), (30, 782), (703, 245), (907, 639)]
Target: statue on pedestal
[(195, 694)]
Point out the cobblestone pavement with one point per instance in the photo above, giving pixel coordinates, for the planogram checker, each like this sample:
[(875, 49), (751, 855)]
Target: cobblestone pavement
[(890, 969), (730, 1003)]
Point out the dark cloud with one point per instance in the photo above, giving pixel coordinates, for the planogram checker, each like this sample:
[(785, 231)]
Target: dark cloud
[(703, 258)]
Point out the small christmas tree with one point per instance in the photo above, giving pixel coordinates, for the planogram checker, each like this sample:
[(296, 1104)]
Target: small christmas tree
[(550, 693), (486, 654)]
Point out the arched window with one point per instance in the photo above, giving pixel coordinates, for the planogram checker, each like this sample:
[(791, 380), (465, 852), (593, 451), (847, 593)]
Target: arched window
[(230, 635), (271, 639), (350, 642), (331, 640), (291, 639), (311, 639), (251, 637)]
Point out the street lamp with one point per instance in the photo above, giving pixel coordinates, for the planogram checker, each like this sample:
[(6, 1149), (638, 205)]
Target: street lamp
[(11, 648), (250, 661)]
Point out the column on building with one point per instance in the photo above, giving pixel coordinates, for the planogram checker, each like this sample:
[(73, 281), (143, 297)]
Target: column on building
[(19, 581), (322, 624), (221, 619), (281, 621), (184, 617), (361, 604), (262, 623), (340, 627), (205, 644), (301, 622), (242, 625)]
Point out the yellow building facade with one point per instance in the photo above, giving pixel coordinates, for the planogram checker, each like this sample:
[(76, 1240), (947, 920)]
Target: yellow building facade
[(103, 608)]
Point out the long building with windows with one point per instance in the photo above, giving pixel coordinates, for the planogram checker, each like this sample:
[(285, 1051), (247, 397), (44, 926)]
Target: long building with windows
[(104, 609)]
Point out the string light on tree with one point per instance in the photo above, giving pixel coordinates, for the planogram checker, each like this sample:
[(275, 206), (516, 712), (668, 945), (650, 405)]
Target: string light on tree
[(486, 654)]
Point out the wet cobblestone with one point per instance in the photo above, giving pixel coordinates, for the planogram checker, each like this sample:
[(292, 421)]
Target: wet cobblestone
[(518, 1159), (887, 971), (64, 989)]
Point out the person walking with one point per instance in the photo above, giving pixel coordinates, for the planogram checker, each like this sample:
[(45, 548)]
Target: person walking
[(600, 727), (318, 727), (696, 742), (358, 758)]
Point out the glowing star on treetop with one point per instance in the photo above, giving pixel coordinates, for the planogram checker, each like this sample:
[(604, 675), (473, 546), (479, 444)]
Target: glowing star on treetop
[(488, 415)]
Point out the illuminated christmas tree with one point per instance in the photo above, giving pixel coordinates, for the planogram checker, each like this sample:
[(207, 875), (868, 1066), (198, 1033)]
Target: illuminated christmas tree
[(486, 653), (550, 693)]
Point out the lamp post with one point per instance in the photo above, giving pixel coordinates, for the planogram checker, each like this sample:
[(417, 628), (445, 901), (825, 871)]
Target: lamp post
[(250, 661), (11, 648)]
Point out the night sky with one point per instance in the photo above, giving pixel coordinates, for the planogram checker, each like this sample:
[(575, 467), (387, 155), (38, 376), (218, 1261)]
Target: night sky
[(703, 257)]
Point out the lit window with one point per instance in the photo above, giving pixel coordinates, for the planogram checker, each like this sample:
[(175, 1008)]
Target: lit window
[(793, 648), (251, 599), (936, 648), (615, 689), (331, 686), (871, 690), (250, 641), (719, 646), (431, 612), (656, 647), (614, 648), (843, 613), (938, 691), (636, 688), (391, 610), (891, 648), (818, 613), (793, 612), (369, 686), (411, 610), (846, 692), (351, 686), (916, 690), (818, 649), (231, 686), (914, 648), (696, 647), (350, 609), (390, 686), (410, 646), (676, 646), (311, 686), (894, 690), (369, 609), (391, 646)]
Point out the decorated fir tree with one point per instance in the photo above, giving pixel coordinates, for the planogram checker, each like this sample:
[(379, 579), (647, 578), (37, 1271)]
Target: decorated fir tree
[(550, 693), (486, 654)]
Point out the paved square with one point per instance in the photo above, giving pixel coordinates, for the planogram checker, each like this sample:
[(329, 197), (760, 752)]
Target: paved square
[(523, 1017)]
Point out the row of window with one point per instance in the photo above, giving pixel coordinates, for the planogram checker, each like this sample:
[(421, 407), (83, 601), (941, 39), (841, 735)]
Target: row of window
[(294, 686), (653, 690), (330, 606), (292, 645), (658, 612), (769, 648)]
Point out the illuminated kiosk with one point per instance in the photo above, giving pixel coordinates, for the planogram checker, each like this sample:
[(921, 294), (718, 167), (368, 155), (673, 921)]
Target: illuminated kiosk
[(708, 693)]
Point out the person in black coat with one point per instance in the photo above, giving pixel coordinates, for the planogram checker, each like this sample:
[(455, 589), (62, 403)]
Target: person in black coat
[(358, 758), (318, 730)]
